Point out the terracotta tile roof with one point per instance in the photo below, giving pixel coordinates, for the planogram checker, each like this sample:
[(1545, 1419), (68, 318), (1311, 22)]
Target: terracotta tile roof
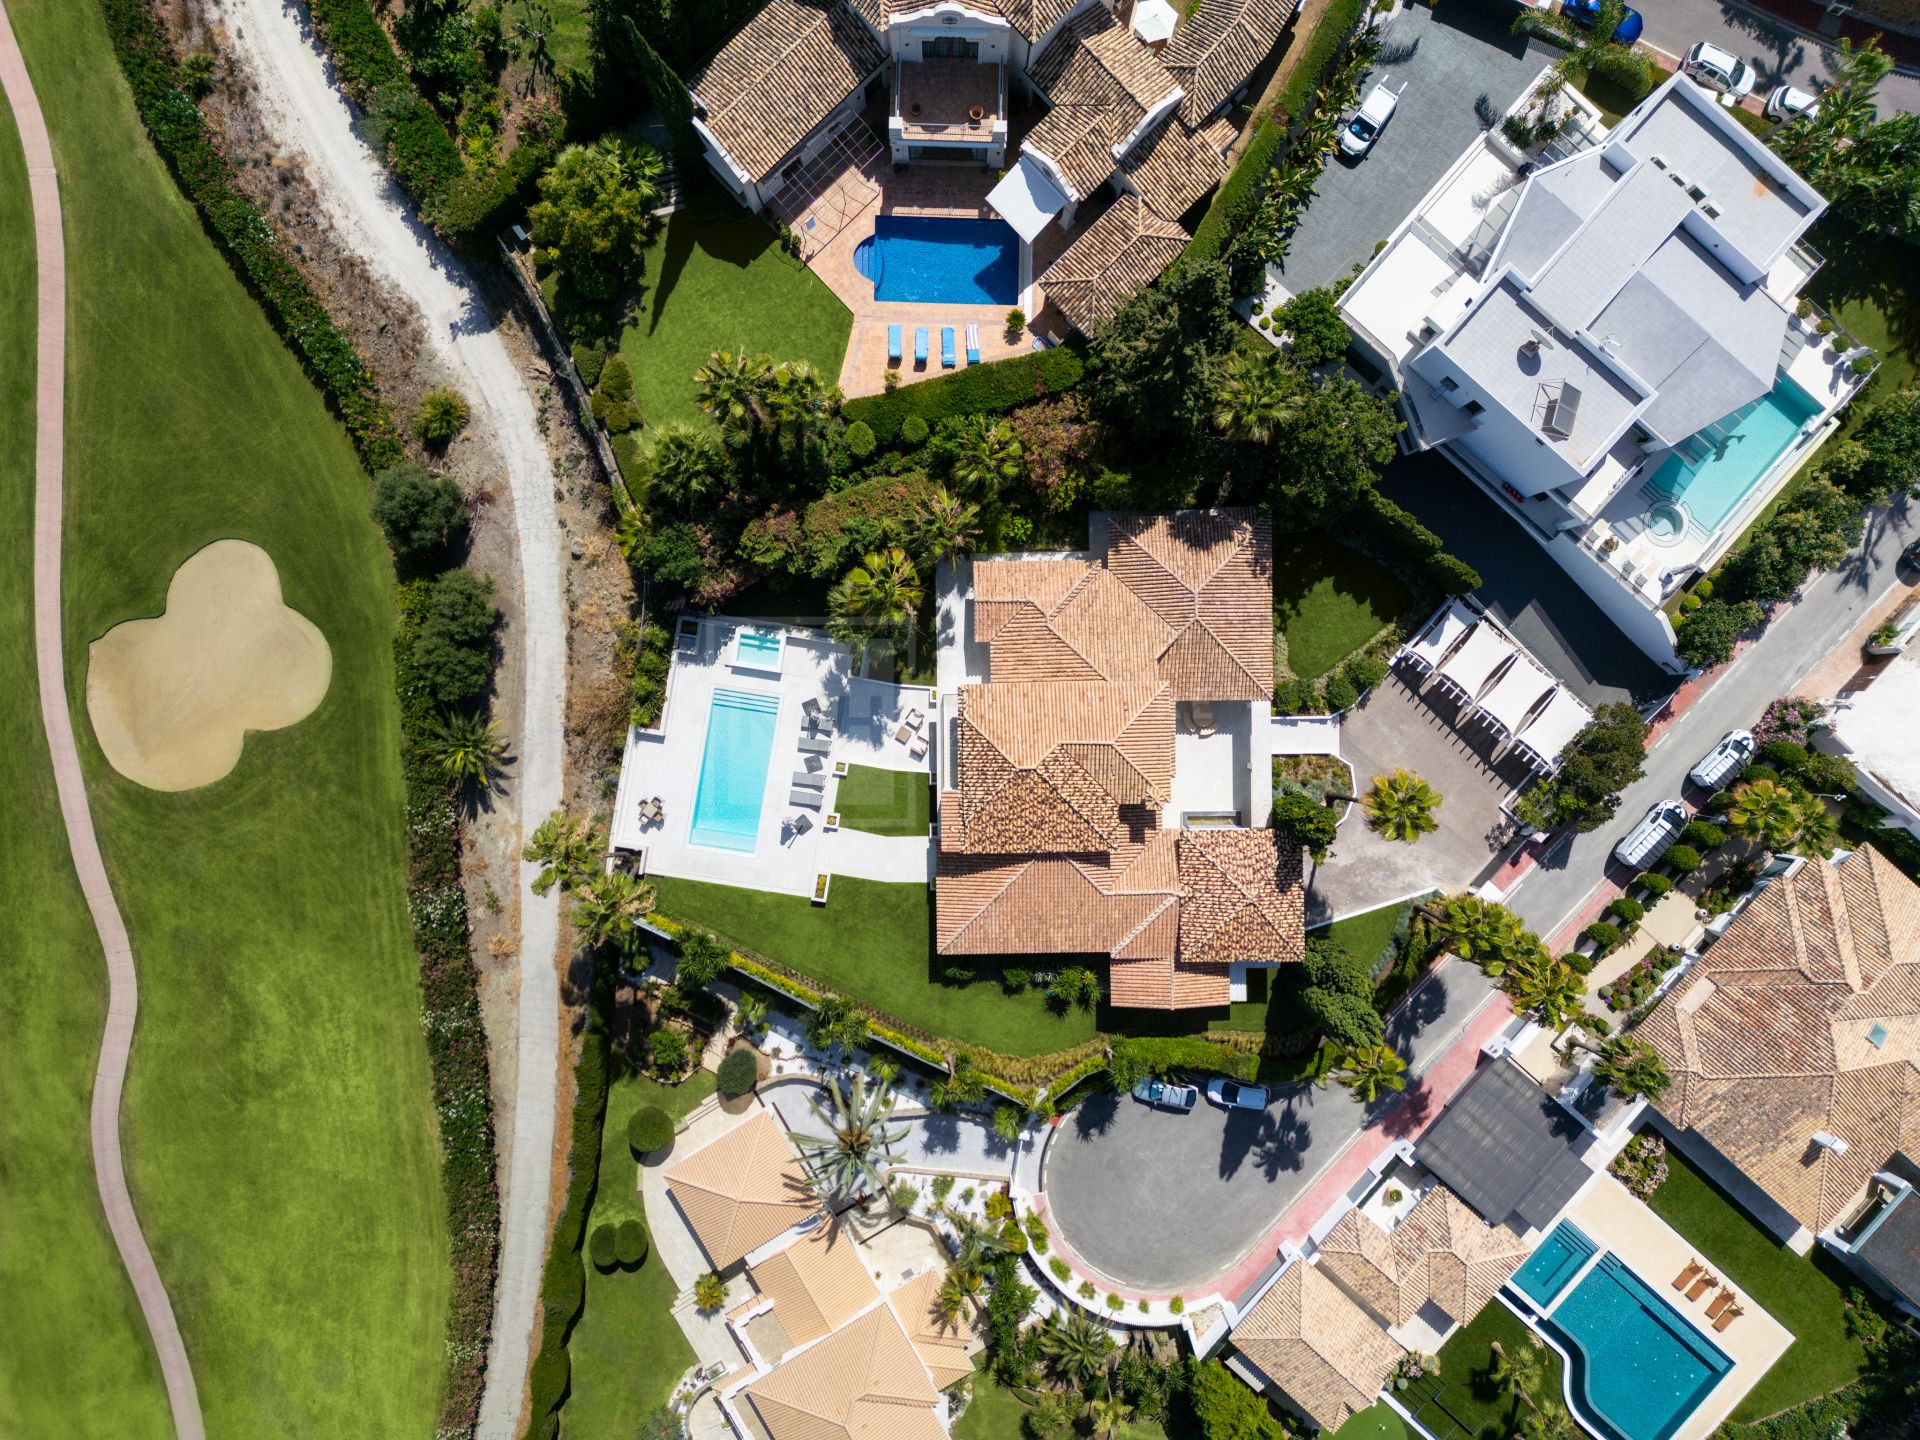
[(742, 1190), (1043, 905), (1175, 165), (1240, 897), (1216, 48), (1209, 576), (1100, 81), (786, 70), (1804, 1016), (863, 1382), (1325, 1352), (1064, 620), (1440, 1252), (817, 1284), (947, 1350), (1113, 259)]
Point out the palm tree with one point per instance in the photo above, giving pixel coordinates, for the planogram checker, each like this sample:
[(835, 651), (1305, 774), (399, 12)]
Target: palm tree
[(1369, 1070), (1108, 1413), (985, 455), (1007, 1123), (1050, 1414), (1552, 1423), (954, 1301), (569, 851), (881, 593), (851, 1155), (942, 524), (798, 400), (751, 1013), (1551, 988), (1489, 935), (1257, 396), (681, 464), (1076, 1348), (710, 1291), (1626, 1065), (733, 388), (608, 906), (977, 1246), (1765, 811), (1516, 1372), (1819, 832), (467, 750), (530, 34), (1400, 806)]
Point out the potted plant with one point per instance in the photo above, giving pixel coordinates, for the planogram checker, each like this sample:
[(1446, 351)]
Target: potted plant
[(821, 883), (1016, 320)]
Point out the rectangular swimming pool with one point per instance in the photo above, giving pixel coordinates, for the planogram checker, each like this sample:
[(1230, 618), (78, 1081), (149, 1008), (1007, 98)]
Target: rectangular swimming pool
[(1713, 485), (1639, 1368), (1556, 1262), (758, 650), (733, 770), (937, 260)]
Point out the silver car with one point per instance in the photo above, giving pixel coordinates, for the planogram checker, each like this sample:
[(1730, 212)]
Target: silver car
[(1237, 1095)]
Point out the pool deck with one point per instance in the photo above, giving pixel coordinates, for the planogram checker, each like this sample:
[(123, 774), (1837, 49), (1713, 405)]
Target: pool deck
[(666, 762), (1610, 1216)]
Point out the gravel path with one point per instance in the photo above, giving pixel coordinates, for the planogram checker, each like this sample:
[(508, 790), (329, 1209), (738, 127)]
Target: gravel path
[(123, 994), (373, 219)]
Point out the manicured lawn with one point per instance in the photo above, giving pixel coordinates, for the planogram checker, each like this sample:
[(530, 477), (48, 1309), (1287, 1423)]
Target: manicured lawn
[(1804, 1294), (278, 1124), (994, 1414), (1328, 601), (715, 279), (1484, 1411), (884, 802), (627, 1350), (1379, 1421), (874, 941)]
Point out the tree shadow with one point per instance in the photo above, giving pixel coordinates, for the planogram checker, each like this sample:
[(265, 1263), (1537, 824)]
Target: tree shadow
[(715, 227)]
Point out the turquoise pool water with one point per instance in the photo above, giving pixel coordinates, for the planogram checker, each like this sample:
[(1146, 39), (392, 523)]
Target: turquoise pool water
[(1714, 484), (733, 769), (757, 647), (941, 261), (1557, 1261), (1639, 1369)]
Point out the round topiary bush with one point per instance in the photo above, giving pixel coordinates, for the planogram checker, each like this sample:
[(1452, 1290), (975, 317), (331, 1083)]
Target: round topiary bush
[(650, 1129), (1704, 835), (860, 439), (738, 1072), (1340, 692), (1786, 756), (1627, 910), (603, 1246), (1703, 587), (1603, 934), (1578, 963), (630, 1243), (1690, 603), (1655, 885), (1683, 859), (913, 430)]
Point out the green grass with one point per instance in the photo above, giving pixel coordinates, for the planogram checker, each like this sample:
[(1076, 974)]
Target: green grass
[(874, 942), (1485, 1412), (627, 1350), (1379, 1421), (1329, 601), (884, 802), (1362, 936), (1805, 1294), (277, 1121), (994, 1413), (716, 279), (569, 39)]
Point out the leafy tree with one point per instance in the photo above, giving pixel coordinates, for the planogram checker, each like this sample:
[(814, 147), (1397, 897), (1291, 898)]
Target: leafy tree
[(710, 1291), (1049, 1416), (1312, 320), (668, 1048), (1056, 442), (1400, 806), (1765, 811), (418, 510), (1488, 934), (453, 647), (881, 594), (1304, 819), (851, 1156), (466, 749), (1868, 168), (1153, 361), (1627, 1065), (680, 465), (985, 453), (607, 906), (1331, 454), (1256, 396), (567, 850), (1598, 763), (737, 1072), (1882, 459), (595, 209), (1350, 1021), (1371, 1070), (1706, 637), (1076, 1348), (942, 525), (1228, 1409)]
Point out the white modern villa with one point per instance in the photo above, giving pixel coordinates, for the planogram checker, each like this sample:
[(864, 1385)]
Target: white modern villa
[(1607, 335)]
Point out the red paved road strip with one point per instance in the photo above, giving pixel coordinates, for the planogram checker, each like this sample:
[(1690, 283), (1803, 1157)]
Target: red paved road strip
[(109, 1172)]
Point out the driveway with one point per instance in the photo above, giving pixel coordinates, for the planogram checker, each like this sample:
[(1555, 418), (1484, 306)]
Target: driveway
[(1461, 66), (1778, 55)]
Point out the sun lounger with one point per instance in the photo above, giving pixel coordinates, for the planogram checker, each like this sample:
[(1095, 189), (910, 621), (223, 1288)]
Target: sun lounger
[(973, 344), (946, 347), (1728, 1316), (1701, 1286), (920, 344), (1685, 1277), (815, 744), (809, 780), (809, 798), (893, 344), (1720, 1302)]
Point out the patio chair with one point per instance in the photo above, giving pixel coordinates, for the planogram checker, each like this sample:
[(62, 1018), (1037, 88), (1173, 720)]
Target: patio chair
[(810, 708), (802, 823), (1701, 1286), (918, 749), (809, 780), (893, 344), (815, 744), (946, 347), (1728, 1316), (1685, 1277), (811, 799), (973, 344), (919, 344)]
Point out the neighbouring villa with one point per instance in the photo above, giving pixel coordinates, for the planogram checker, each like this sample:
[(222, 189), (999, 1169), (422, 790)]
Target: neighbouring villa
[(1609, 338), (1103, 739), (1872, 725), (1794, 1046)]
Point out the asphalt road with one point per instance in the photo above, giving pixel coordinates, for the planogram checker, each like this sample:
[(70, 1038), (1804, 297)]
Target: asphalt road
[(1796, 641), (1777, 54)]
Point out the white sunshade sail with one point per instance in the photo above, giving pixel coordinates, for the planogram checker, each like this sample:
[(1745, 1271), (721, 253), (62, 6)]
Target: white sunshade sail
[(1564, 718), (1432, 644), (1027, 199), (1473, 664), (1513, 699)]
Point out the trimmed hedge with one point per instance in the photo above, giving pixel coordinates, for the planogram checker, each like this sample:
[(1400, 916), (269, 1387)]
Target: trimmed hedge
[(650, 1129), (1420, 546), (604, 1247), (630, 1242), (737, 1073), (1187, 1052), (976, 390)]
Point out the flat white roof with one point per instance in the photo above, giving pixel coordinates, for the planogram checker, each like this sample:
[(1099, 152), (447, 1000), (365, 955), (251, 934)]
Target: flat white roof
[(1027, 199)]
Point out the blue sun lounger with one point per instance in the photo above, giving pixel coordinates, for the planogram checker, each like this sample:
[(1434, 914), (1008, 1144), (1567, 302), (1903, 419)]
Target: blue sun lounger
[(920, 344), (893, 344), (946, 347), (973, 344)]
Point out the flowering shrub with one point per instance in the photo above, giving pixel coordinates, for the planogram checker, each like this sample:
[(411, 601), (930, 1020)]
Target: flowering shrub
[(1642, 1166), (1789, 718)]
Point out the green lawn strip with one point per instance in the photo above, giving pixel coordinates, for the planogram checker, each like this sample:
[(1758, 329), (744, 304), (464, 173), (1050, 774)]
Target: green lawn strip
[(1485, 1412), (873, 942), (279, 1134), (1329, 601), (715, 279), (994, 1413), (627, 1349), (1805, 1294), (76, 1360), (1379, 1421), (884, 802)]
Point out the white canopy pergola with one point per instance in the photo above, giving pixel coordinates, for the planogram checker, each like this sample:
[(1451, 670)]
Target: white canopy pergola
[(1475, 662), (1443, 632), (1027, 198), (1542, 741), (1519, 692)]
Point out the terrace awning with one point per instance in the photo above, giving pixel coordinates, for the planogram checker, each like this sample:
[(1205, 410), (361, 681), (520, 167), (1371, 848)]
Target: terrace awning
[(1476, 660), (1552, 730), (1430, 647), (1027, 199), (1513, 700)]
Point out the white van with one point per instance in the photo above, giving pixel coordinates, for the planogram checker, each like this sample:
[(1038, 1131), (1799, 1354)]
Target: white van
[(1650, 839), (1726, 760)]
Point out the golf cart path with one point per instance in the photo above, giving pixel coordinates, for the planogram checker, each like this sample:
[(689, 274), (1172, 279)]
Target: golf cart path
[(123, 996), (373, 219)]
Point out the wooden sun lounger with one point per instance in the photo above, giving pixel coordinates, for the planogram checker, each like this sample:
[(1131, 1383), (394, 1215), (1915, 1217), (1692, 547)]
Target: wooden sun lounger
[(1728, 1316), (1720, 1302), (1685, 1277), (1701, 1286)]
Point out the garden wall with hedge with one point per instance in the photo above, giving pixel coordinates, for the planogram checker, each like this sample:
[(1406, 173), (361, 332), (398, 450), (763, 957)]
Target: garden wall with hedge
[(978, 389)]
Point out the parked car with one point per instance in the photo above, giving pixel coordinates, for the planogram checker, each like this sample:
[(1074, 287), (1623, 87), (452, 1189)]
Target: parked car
[(1726, 760), (1585, 12), (1370, 119), (1643, 845), (1164, 1095), (1719, 69), (1787, 101), (1238, 1095)]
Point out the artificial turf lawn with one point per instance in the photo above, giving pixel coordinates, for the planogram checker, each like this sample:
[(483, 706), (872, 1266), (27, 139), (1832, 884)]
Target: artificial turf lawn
[(994, 1413), (874, 942), (1379, 1421), (1483, 1410), (277, 1123), (75, 1359), (1804, 1293), (1328, 601), (884, 802), (627, 1350), (715, 279)]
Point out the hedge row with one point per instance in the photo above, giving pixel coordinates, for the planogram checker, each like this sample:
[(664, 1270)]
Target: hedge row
[(978, 389), (1421, 546), (179, 133), (1188, 1052)]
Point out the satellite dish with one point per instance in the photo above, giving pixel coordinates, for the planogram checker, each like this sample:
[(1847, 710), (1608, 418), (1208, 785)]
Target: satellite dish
[(1540, 340)]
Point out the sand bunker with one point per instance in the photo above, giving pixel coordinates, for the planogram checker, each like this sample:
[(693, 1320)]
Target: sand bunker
[(171, 698)]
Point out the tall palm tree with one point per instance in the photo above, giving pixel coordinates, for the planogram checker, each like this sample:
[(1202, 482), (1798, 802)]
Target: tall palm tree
[(1076, 1348), (1370, 1070), (943, 524), (798, 400), (1489, 935), (985, 455), (733, 387), (1551, 988), (1517, 1372), (1819, 832), (882, 593), (608, 906), (1765, 811), (1256, 398), (851, 1156), (953, 1302), (1551, 1423), (569, 851), (1400, 806), (467, 750), (681, 464), (1626, 1065), (751, 1012)]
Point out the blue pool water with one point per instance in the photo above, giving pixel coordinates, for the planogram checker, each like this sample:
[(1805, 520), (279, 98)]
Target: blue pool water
[(757, 647), (938, 261), (1714, 485), (1639, 1369), (1557, 1261), (733, 769)]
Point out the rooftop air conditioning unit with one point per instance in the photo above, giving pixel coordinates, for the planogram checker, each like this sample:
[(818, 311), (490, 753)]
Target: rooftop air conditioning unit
[(1829, 1142)]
